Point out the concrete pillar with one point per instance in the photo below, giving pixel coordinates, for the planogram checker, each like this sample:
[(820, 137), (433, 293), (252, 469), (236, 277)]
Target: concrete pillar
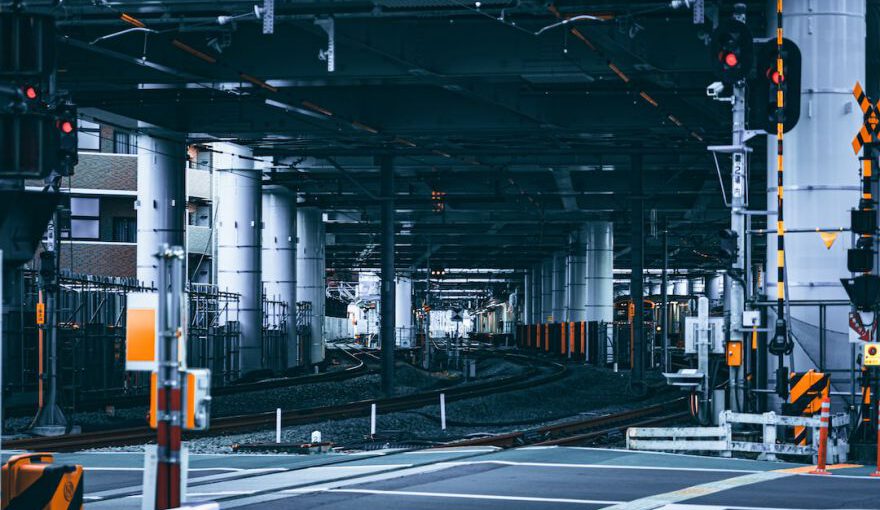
[(558, 298), (535, 317), (546, 289), (576, 276), (161, 200), (279, 258), (831, 37), (238, 209), (680, 287), (600, 271), (696, 286), (310, 281), (714, 289), (403, 313)]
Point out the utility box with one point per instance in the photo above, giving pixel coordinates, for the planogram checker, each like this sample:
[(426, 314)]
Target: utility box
[(734, 353), (716, 335), (197, 399)]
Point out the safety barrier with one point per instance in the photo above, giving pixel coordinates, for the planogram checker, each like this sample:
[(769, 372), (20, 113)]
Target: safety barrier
[(578, 341), (721, 438), (32, 482)]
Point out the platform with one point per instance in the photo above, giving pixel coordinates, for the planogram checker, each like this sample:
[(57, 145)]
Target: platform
[(487, 478)]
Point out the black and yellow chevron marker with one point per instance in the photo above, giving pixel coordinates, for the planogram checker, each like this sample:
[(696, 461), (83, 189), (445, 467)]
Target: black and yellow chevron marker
[(805, 398), (863, 137), (32, 481), (861, 98)]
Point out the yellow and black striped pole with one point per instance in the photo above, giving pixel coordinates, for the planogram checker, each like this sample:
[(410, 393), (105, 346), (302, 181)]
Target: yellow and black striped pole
[(780, 218), (781, 344)]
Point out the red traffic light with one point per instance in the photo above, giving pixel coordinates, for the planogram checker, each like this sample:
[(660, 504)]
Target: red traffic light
[(731, 60), (775, 77), (66, 127), (31, 92)]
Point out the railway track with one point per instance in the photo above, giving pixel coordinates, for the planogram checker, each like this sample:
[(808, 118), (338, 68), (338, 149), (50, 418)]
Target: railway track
[(358, 368), (119, 437), (582, 431)]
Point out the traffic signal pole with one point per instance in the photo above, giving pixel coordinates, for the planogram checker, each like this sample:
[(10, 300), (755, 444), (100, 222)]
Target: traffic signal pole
[(168, 382), (736, 276)]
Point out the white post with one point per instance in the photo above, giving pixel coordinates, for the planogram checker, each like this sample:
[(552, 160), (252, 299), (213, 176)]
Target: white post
[(372, 420), (278, 425), (442, 411)]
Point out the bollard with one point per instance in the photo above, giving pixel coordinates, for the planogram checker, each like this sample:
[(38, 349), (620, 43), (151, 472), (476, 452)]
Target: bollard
[(32, 480), (823, 438), (442, 411), (876, 472), (278, 425), (372, 420)]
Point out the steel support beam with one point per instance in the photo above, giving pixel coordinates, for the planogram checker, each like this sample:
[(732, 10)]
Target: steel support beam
[(387, 291), (637, 207)]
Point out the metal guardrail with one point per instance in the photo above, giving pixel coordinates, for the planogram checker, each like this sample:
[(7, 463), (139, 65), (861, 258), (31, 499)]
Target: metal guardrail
[(721, 438)]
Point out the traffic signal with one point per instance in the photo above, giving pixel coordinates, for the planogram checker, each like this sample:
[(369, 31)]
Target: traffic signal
[(438, 201), (764, 86), (729, 246), (65, 124), (732, 51), (32, 95)]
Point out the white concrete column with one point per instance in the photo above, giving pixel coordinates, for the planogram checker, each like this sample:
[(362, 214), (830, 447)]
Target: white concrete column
[(714, 289), (238, 209), (821, 181), (279, 257), (546, 289), (680, 287), (600, 271), (310, 282), (161, 200), (558, 286), (576, 277), (403, 314), (696, 286)]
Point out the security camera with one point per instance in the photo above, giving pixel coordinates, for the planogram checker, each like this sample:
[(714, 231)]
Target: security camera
[(715, 89)]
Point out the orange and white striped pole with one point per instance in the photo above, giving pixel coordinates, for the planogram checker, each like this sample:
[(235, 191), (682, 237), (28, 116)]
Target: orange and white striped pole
[(824, 419), (876, 472)]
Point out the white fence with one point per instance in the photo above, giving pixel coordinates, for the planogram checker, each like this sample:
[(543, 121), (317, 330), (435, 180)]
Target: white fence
[(721, 439)]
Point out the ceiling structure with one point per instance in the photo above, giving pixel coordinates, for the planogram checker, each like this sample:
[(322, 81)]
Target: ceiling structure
[(527, 136)]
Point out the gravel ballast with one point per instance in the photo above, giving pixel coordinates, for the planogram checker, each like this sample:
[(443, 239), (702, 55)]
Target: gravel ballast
[(584, 391)]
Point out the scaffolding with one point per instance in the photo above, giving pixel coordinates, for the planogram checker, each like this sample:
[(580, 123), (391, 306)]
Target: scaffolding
[(91, 339), (213, 332), (276, 334)]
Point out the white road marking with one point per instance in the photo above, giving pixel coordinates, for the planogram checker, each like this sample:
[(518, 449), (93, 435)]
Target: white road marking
[(598, 466), (494, 497), (660, 500)]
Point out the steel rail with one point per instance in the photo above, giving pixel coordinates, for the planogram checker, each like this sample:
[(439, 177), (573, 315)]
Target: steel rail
[(258, 421)]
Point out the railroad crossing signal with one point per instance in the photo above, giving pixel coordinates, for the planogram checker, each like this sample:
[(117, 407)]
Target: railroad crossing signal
[(871, 356), (871, 125), (732, 51)]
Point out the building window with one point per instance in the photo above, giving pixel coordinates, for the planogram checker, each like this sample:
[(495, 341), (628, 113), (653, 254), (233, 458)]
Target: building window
[(84, 218), (125, 229), (89, 136), (124, 143)]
